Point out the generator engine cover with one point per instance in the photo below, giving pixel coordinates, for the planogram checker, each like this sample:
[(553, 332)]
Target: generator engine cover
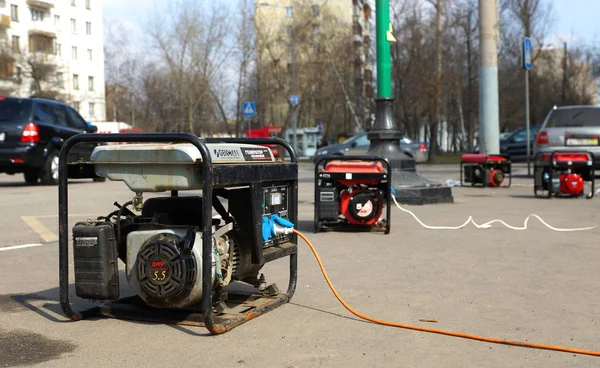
[(160, 167), (163, 270), (150, 251), (361, 207), (571, 184), (354, 167), (496, 178)]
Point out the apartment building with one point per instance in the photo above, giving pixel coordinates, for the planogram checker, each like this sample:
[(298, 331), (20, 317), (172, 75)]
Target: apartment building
[(274, 21), (54, 48)]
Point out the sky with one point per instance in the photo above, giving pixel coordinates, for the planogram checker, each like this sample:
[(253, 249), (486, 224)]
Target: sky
[(574, 20)]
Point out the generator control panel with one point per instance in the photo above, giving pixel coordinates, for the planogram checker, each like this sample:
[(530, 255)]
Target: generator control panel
[(275, 202)]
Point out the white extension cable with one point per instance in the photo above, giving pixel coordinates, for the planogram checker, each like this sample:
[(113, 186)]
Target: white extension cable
[(488, 224)]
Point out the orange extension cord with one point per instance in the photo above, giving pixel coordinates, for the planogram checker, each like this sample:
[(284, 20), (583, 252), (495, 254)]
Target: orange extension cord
[(436, 331)]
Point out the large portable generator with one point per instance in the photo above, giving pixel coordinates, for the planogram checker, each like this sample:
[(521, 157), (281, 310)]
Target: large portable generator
[(485, 170), (563, 174), (351, 193), (191, 259)]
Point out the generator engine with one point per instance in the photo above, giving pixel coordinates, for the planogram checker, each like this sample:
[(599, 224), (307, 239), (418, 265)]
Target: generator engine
[(351, 193), (485, 170), (563, 174), (160, 239)]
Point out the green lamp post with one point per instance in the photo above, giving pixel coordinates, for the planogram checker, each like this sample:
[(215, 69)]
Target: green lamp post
[(384, 136)]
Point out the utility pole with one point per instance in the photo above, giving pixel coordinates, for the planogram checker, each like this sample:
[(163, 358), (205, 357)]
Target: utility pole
[(294, 106), (410, 186), (293, 47), (489, 116), (565, 75)]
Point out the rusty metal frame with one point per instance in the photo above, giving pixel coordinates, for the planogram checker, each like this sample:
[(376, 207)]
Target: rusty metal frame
[(214, 324)]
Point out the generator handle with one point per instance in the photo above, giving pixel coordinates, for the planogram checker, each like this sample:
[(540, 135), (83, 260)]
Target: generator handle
[(63, 208), (274, 141), (354, 158)]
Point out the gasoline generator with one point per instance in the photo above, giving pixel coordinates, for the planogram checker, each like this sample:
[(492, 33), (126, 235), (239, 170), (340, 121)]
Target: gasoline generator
[(485, 170), (183, 253), (563, 174), (351, 193)]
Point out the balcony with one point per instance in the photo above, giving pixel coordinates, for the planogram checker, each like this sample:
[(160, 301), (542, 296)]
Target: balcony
[(4, 21), (46, 29), (40, 4)]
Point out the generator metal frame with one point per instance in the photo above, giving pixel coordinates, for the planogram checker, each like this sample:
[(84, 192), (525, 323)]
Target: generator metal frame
[(214, 176), (358, 177), (560, 165), (504, 166)]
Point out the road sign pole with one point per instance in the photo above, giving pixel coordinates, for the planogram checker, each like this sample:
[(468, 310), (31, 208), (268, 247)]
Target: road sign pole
[(527, 65), (527, 123)]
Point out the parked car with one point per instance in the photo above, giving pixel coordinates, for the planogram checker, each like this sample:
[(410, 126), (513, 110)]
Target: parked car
[(32, 131), (359, 145), (514, 144), (569, 128)]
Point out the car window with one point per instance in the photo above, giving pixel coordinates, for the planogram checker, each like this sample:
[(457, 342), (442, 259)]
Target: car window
[(59, 114), (520, 136), (574, 117), (43, 113), (363, 140), (15, 110), (406, 140), (75, 120)]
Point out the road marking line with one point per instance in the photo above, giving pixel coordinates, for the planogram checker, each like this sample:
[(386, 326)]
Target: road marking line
[(73, 215), (40, 229), (20, 246)]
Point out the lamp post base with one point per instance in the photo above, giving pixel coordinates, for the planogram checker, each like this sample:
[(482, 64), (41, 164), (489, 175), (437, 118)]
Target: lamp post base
[(410, 186)]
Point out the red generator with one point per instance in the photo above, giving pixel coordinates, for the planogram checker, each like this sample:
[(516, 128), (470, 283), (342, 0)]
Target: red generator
[(563, 174), (351, 193), (485, 170)]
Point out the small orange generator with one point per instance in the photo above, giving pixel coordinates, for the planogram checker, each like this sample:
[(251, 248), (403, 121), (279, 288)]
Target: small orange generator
[(351, 193), (485, 170)]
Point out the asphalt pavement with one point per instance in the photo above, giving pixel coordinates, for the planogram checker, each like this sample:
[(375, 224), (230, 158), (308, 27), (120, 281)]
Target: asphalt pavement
[(535, 285)]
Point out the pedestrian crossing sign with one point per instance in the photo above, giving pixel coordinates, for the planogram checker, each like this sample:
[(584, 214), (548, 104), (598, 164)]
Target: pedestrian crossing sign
[(249, 109)]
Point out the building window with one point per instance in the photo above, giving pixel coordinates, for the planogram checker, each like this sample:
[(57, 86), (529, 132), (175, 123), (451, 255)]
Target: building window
[(73, 25), (87, 4), (92, 105), (74, 52), (315, 10), (58, 49), (57, 20), (315, 29), (16, 44), (60, 79), (90, 83), (88, 28), (76, 105), (76, 83), (14, 13), (37, 15), (90, 54), (289, 12), (73, 3)]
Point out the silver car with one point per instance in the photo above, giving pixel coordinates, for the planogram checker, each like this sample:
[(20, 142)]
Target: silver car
[(570, 128)]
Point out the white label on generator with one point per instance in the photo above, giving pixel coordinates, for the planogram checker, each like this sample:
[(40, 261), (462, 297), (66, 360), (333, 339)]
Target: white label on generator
[(348, 175), (91, 241)]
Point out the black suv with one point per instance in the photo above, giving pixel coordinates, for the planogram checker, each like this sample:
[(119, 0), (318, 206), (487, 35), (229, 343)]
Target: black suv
[(32, 131)]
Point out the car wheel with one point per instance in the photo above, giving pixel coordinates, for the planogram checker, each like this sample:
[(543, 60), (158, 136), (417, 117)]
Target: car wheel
[(31, 176), (49, 175)]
